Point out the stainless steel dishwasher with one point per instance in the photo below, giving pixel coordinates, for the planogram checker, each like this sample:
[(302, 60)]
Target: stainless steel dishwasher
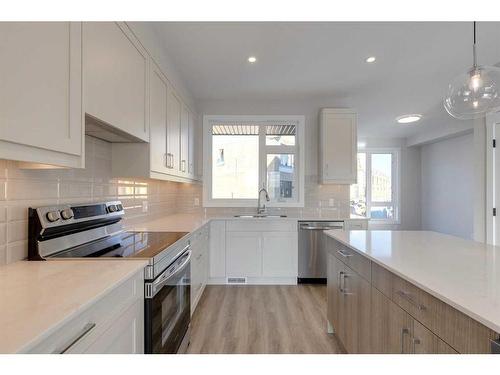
[(312, 250)]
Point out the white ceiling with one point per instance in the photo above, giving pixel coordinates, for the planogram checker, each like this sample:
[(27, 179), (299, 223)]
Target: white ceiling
[(415, 62)]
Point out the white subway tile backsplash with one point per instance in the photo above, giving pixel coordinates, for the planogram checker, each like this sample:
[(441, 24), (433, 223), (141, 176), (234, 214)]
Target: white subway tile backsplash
[(23, 188), (16, 251), (17, 231)]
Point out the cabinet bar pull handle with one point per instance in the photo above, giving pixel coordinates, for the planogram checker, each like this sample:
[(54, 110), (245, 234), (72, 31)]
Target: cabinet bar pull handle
[(406, 296), (404, 331), (344, 254), (340, 281), (415, 342), (88, 327)]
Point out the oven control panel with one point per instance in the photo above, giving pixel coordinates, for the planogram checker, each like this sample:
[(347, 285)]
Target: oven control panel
[(52, 216)]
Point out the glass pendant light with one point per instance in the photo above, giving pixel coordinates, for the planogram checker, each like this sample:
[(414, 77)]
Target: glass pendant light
[(475, 93)]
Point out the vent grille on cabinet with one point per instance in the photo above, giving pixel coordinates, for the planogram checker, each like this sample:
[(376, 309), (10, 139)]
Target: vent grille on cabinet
[(236, 280)]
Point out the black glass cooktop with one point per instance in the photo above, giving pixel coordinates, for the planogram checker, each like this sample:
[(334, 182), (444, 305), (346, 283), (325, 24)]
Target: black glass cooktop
[(125, 244)]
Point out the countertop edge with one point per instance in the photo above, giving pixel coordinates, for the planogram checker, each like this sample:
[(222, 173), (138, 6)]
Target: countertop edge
[(491, 325)]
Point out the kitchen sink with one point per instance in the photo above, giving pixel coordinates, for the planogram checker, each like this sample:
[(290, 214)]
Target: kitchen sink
[(261, 216)]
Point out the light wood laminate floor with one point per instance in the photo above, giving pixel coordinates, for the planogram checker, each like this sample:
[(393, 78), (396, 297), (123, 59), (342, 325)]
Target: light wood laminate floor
[(262, 319)]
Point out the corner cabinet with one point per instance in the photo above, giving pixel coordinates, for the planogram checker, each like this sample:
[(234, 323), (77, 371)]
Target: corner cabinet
[(41, 118), (338, 146), (116, 84)]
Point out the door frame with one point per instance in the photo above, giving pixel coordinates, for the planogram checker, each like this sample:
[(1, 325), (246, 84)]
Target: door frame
[(491, 121)]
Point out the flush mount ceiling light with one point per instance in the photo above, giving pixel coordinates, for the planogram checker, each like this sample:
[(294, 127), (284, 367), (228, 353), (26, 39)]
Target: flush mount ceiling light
[(252, 59), (406, 119), (371, 59), (475, 93)]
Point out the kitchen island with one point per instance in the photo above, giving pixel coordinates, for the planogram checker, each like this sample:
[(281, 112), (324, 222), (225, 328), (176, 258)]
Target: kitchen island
[(412, 292)]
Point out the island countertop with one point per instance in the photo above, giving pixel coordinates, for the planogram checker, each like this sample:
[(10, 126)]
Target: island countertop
[(464, 274)]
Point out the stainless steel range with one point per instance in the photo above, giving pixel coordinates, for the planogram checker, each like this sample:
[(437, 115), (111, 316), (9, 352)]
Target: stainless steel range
[(95, 230)]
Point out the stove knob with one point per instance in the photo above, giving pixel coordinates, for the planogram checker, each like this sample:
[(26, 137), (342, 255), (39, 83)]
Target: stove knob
[(67, 214), (53, 216), (112, 208)]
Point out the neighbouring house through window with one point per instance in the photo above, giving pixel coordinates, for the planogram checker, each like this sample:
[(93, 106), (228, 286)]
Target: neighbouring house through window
[(376, 195)]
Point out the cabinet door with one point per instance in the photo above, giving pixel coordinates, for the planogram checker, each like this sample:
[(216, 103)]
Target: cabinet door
[(357, 295), (279, 254), (338, 143), (217, 249), (184, 166), (124, 336), (158, 120), (243, 254), (173, 131), (40, 89), (391, 326), (116, 77), (191, 142), (334, 295), (425, 342)]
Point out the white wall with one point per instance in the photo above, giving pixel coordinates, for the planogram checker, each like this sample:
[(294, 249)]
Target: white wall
[(448, 186), (409, 180)]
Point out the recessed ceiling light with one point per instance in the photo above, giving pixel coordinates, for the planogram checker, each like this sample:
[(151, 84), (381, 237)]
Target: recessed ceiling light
[(406, 119), (371, 59), (252, 59)]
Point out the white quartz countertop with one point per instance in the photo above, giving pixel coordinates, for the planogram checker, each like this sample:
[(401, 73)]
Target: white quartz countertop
[(464, 274), (191, 222), (38, 297)]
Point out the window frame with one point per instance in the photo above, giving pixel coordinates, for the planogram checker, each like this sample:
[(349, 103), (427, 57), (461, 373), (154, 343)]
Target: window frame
[(395, 180), (261, 121)]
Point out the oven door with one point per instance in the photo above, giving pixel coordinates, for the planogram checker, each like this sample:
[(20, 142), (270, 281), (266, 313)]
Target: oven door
[(167, 307)]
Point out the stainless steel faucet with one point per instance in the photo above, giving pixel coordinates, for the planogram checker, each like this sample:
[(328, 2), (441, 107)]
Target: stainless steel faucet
[(262, 210)]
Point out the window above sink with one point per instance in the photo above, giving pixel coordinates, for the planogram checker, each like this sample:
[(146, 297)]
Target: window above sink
[(244, 153)]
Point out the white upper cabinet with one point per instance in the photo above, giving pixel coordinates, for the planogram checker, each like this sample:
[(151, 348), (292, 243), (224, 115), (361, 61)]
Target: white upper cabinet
[(184, 141), (191, 145), (40, 92), (174, 108), (116, 77), (158, 120), (338, 146)]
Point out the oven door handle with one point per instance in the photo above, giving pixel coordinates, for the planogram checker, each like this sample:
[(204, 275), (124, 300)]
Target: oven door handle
[(165, 276)]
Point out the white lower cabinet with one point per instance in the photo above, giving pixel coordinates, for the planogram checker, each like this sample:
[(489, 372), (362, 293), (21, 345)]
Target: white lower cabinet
[(124, 336), (260, 252), (114, 324), (243, 254), (217, 252), (199, 264), (279, 254)]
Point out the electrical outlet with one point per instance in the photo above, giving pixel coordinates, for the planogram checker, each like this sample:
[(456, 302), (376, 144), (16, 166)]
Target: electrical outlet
[(331, 202), (145, 206), (196, 201)]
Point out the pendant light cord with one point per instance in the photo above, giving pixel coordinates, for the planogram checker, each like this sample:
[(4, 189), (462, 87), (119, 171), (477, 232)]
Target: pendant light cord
[(474, 57)]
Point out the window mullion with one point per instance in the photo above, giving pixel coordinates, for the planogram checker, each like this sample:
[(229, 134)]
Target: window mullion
[(262, 157), (368, 184)]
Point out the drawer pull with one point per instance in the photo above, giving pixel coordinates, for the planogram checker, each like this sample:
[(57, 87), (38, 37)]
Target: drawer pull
[(88, 327), (407, 297), (344, 254), (404, 331)]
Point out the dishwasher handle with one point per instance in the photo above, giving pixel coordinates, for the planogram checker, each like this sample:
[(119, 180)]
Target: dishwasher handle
[(314, 227)]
